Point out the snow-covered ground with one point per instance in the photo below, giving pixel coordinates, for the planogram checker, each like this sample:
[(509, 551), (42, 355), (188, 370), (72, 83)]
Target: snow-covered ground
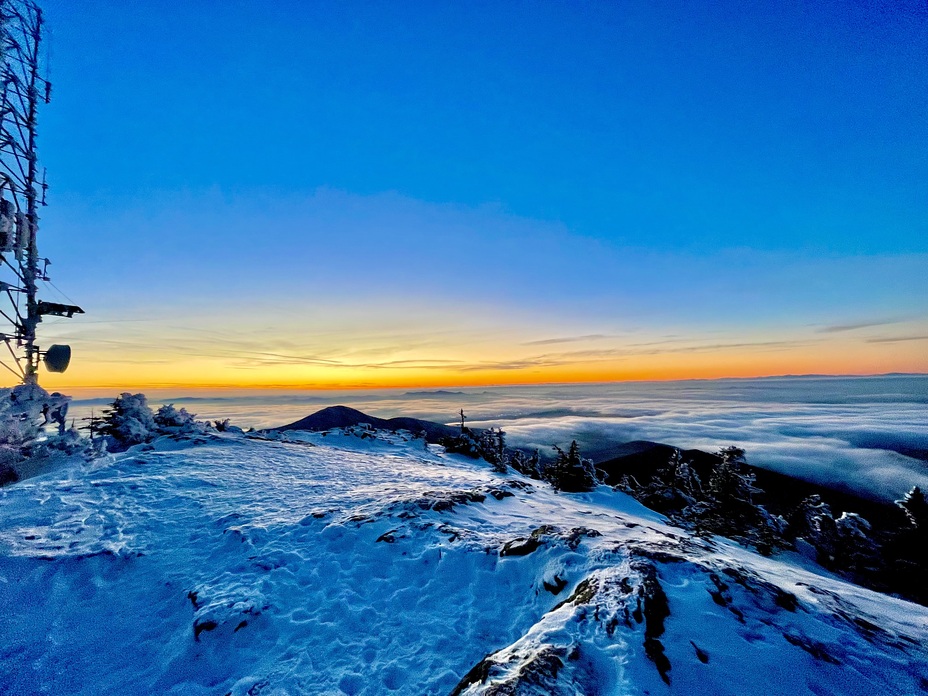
[(336, 564)]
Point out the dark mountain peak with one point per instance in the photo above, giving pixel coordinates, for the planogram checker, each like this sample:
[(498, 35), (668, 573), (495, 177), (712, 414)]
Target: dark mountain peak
[(331, 417), (339, 412), (346, 417)]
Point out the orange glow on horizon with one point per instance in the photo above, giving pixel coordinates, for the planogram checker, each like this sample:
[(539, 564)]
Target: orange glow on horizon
[(211, 375), (361, 354)]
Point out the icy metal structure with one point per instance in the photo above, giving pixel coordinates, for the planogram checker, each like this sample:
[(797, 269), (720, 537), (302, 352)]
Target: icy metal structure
[(22, 191)]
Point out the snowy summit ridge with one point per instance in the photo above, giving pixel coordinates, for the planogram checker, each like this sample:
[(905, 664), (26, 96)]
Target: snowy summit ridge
[(352, 561)]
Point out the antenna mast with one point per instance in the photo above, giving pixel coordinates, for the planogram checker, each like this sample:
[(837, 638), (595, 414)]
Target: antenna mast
[(22, 86)]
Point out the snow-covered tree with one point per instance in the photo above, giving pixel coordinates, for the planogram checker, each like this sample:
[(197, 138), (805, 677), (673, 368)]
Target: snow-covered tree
[(729, 484), (856, 550), (685, 479), (813, 522), (767, 533), (26, 412), (172, 421), (916, 508), (26, 409), (129, 420), (526, 464), (906, 551), (671, 487), (21, 415), (570, 472), (466, 443), (492, 446)]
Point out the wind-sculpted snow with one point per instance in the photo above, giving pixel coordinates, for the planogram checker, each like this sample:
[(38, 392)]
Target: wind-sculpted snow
[(326, 563)]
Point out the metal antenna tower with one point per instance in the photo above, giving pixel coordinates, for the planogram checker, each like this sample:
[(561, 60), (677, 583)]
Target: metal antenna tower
[(22, 88)]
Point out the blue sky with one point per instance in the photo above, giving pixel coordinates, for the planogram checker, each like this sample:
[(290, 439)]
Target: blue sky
[(662, 171)]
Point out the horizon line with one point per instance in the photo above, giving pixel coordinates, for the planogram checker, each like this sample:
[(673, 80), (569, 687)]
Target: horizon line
[(372, 387)]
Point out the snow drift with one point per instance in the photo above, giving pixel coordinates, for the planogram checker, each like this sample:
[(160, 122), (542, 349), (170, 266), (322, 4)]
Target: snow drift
[(328, 563)]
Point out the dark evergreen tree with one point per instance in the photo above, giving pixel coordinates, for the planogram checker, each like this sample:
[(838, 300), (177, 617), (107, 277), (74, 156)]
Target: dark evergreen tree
[(767, 537), (906, 551), (492, 445), (856, 551), (665, 490), (489, 445), (729, 509), (526, 464), (813, 523), (729, 484), (570, 472), (465, 443), (916, 508)]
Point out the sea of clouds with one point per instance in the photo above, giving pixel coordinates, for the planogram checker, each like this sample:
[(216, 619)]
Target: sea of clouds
[(868, 434)]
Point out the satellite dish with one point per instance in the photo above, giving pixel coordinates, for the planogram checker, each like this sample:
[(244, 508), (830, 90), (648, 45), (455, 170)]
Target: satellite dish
[(57, 358)]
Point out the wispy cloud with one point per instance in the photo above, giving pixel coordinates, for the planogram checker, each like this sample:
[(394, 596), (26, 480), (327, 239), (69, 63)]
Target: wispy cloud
[(841, 328), (897, 339), (659, 348), (575, 357), (394, 363), (249, 361), (569, 339)]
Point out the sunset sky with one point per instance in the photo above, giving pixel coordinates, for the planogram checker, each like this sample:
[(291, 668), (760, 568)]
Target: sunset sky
[(340, 194)]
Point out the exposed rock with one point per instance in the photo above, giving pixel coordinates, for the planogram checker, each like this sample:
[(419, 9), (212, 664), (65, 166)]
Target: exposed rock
[(556, 586), (200, 626), (537, 674), (584, 592), (7, 474), (656, 610), (520, 546), (478, 674), (388, 536), (446, 501), (578, 534)]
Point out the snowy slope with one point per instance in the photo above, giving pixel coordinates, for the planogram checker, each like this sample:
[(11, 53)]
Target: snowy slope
[(332, 564)]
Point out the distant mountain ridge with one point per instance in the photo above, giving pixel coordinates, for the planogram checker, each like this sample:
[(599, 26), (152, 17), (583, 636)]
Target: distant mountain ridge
[(346, 417)]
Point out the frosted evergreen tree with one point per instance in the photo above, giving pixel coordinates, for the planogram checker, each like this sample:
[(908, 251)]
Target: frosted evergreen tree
[(728, 508), (129, 420), (665, 491), (729, 484), (172, 420), (813, 523), (492, 445), (686, 480), (907, 551), (526, 464), (916, 508), (856, 550)]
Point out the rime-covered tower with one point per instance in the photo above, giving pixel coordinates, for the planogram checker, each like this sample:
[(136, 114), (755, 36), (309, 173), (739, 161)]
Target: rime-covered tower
[(22, 190)]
